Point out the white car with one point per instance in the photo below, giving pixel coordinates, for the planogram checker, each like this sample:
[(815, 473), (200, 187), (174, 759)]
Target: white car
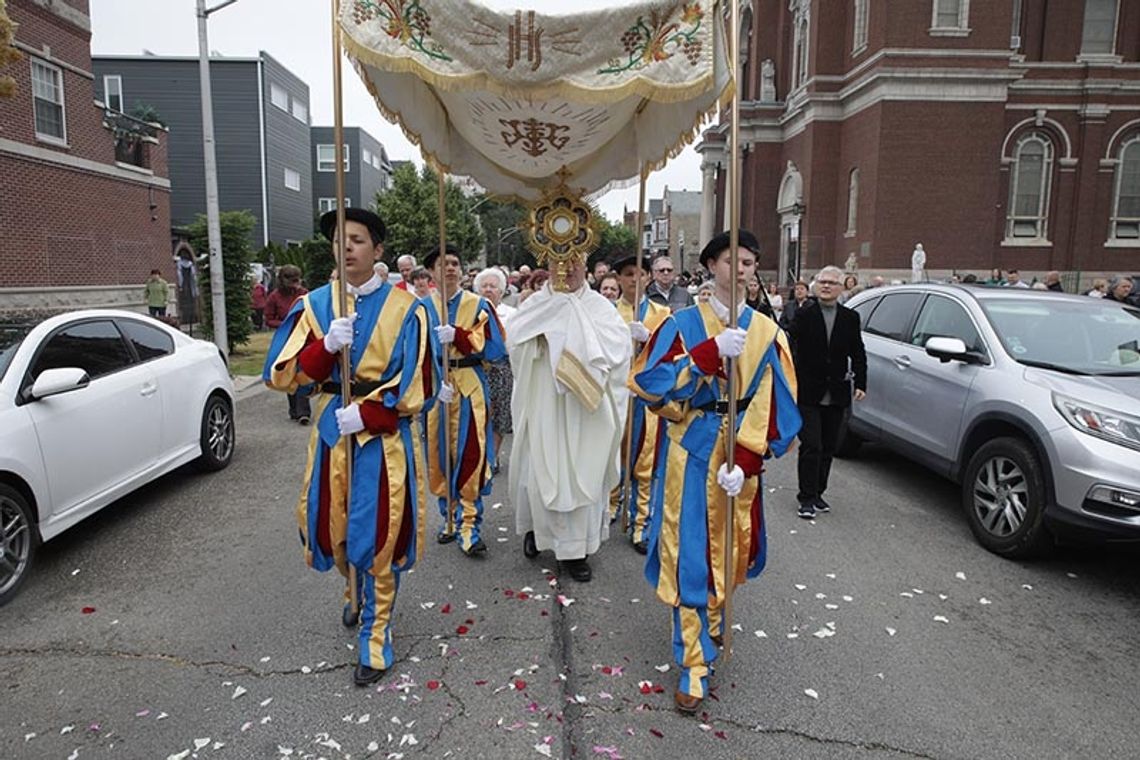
[(94, 404)]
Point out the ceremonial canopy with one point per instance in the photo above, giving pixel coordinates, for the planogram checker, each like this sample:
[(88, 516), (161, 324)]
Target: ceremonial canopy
[(525, 102)]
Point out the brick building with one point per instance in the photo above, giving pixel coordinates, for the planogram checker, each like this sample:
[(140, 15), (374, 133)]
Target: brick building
[(671, 226), (998, 134), (84, 201)]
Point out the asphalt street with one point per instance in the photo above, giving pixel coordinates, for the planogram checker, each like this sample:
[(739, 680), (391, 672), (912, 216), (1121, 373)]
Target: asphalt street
[(181, 622)]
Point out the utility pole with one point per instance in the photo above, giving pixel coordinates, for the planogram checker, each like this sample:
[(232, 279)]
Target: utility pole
[(213, 216)]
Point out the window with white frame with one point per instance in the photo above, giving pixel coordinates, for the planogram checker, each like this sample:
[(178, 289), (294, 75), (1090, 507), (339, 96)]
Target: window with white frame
[(47, 99), (950, 16), (801, 37), (852, 201), (325, 205), (1098, 36), (278, 96), (375, 161), (1029, 186), (325, 160), (366, 156), (300, 111), (1126, 204), (113, 92), (859, 41), (292, 179)]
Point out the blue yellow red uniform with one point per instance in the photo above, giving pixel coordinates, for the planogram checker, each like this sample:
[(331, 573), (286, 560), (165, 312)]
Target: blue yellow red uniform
[(393, 372), (680, 365), (646, 428), (478, 338)]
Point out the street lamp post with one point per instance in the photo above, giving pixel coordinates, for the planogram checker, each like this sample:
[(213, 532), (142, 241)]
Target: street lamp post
[(213, 216), (500, 237)]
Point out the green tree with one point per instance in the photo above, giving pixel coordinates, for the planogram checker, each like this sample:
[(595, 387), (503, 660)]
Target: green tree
[(616, 239), (317, 262), (409, 210), (504, 227), (8, 54), (237, 255)]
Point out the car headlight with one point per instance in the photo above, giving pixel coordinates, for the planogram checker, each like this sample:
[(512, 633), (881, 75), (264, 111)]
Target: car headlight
[(1108, 424)]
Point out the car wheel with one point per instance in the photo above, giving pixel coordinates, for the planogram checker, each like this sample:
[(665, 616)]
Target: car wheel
[(1003, 494), (217, 435), (17, 541)]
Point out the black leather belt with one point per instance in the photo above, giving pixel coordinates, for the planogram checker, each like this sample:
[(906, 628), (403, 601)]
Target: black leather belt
[(466, 361), (721, 407), (361, 388)]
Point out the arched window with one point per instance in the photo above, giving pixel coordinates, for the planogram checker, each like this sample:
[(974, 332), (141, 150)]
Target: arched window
[(1126, 201), (852, 201), (1029, 187), (859, 41)]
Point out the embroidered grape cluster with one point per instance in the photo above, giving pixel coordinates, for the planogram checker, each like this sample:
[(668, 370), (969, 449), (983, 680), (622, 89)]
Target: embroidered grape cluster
[(363, 11), (421, 21), (631, 40), (692, 51)]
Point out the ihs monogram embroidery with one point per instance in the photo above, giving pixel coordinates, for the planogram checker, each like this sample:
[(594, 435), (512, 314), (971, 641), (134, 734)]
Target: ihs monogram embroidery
[(405, 20), (534, 135), (658, 38), (528, 35)]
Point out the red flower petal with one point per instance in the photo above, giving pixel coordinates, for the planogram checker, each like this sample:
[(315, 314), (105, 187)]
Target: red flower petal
[(445, 608), (607, 670), (544, 613), (720, 734), (481, 682), (657, 733), (520, 684), (508, 592), (658, 689), (462, 630), (87, 610), (432, 685), (523, 595), (469, 621), (646, 688)]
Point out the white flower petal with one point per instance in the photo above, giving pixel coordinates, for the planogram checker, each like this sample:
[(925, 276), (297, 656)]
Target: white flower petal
[(812, 693)]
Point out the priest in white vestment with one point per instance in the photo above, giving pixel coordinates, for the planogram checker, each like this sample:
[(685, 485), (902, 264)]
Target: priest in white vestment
[(570, 353)]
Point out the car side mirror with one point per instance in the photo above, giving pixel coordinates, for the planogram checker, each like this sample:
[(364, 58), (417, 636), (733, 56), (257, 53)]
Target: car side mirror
[(52, 382), (947, 349)]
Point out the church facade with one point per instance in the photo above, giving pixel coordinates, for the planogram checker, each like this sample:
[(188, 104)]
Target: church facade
[(997, 134)]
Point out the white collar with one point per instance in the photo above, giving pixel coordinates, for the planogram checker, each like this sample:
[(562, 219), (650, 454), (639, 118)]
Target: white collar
[(721, 310), (373, 284)]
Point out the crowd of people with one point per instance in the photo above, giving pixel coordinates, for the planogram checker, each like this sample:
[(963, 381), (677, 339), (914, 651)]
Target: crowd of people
[(614, 384)]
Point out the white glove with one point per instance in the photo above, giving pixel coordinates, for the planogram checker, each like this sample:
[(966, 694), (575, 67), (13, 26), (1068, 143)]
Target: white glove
[(339, 334), (445, 333), (730, 343), (639, 332), (348, 419), (730, 482), (446, 393)]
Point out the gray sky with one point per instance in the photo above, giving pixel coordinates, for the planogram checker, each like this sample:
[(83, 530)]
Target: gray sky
[(298, 33)]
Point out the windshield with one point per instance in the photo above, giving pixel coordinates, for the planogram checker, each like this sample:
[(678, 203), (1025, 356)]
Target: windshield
[(11, 336), (1087, 338)]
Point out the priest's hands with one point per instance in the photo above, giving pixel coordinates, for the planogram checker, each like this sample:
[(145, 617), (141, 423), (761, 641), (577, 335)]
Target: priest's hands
[(445, 333), (446, 393), (730, 482), (339, 334), (348, 420), (639, 332), (730, 342)]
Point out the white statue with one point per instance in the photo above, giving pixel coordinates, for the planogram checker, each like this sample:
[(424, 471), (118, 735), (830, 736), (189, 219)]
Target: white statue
[(918, 264), (767, 81), (852, 263)]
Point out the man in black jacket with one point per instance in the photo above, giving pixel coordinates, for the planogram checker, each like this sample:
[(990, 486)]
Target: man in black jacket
[(828, 349)]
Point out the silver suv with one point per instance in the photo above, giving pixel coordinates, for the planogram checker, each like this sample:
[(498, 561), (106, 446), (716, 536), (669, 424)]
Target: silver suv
[(1030, 399)]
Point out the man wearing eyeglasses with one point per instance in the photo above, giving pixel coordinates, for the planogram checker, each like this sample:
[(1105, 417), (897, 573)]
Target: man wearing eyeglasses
[(663, 290), (828, 349)]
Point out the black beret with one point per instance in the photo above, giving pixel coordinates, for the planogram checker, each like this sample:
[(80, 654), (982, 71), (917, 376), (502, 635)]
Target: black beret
[(629, 259), (433, 254), (720, 243), (373, 222)]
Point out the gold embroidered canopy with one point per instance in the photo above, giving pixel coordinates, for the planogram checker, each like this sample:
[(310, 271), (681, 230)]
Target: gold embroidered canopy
[(528, 102)]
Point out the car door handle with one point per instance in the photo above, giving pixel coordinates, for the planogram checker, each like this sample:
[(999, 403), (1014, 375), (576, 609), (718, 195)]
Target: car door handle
[(149, 389), (902, 362)]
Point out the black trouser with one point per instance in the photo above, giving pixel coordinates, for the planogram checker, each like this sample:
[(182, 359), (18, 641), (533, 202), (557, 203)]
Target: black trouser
[(298, 406), (818, 439), (157, 311)]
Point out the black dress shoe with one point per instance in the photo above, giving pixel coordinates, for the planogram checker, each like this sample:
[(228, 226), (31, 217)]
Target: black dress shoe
[(642, 546), (444, 538), (579, 570), (530, 548), (476, 548), (348, 617), (364, 675)]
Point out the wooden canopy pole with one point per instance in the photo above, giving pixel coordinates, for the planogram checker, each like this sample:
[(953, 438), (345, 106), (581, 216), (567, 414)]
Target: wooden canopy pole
[(627, 481), (445, 318)]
